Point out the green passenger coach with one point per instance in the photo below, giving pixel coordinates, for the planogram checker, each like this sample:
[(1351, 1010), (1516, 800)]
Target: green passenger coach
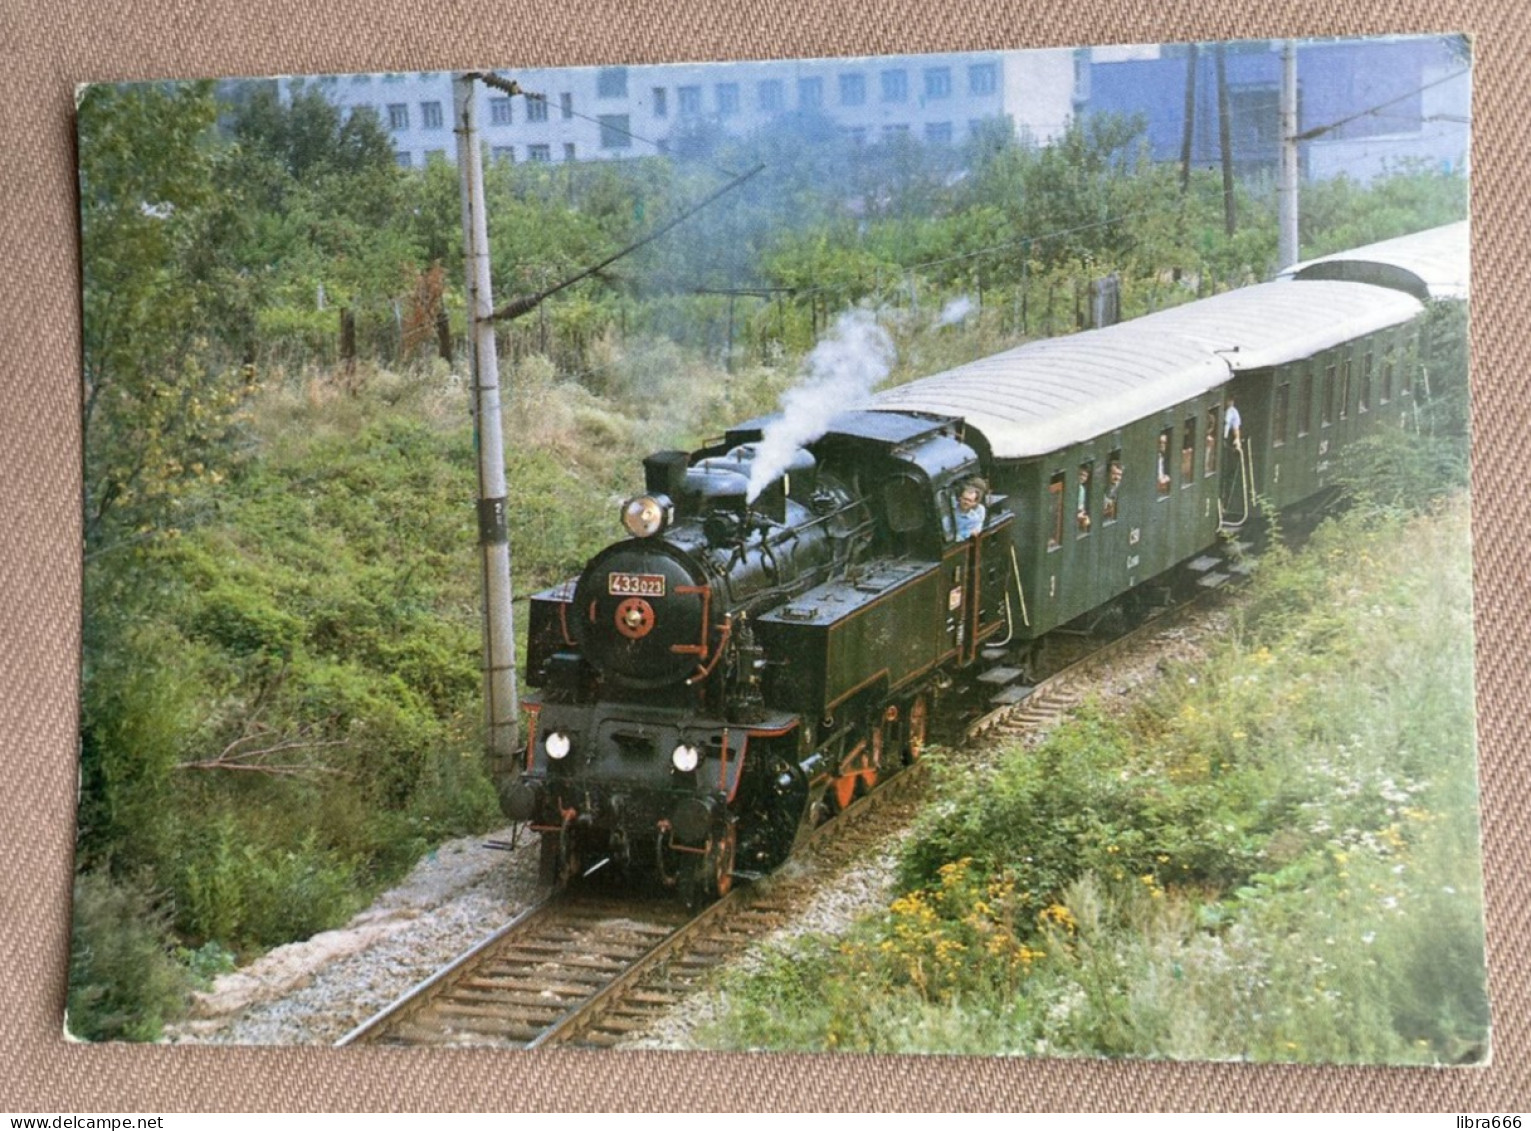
[(1116, 446)]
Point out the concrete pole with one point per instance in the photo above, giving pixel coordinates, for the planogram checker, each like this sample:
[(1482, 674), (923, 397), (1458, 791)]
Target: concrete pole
[(501, 703), (1286, 191)]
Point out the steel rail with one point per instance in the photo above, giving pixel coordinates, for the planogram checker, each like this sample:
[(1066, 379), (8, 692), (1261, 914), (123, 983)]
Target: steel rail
[(417, 996)]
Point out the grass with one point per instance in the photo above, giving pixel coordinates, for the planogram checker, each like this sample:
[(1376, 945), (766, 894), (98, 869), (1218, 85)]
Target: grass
[(1272, 856)]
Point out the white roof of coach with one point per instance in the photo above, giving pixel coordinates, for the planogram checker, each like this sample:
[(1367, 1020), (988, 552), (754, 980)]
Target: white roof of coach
[(1438, 259), (1049, 394)]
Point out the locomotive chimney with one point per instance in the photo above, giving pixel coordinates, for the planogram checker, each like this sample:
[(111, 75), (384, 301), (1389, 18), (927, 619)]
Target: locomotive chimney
[(664, 473), (772, 502)]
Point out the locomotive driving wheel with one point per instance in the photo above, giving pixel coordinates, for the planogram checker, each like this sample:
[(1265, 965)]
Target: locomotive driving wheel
[(712, 876)]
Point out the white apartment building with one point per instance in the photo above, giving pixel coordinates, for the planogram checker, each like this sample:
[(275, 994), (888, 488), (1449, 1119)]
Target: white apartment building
[(593, 113)]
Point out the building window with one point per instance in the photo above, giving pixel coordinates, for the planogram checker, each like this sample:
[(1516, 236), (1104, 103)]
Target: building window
[(727, 94), (770, 95), (361, 78), (505, 153), (983, 78), (661, 102), (853, 90), (398, 116), (895, 86), (614, 132), (938, 82), (856, 135), (430, 115), (542, 153), (435, 156), (568, 151), (611, 82), (689, 100), (897, 130), (1255, 114), (403, 160), (499, 112), (536, 108), (810, 93), (329, 80), (566, 105), (938, 133), (393, 76)]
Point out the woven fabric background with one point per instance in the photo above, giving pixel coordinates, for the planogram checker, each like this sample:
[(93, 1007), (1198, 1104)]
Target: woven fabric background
[(48, 49)]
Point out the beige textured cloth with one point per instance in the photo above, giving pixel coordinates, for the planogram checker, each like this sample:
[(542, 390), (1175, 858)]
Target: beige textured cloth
[(49, 49)]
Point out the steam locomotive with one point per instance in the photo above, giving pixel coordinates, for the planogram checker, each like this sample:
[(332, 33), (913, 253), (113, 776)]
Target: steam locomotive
[(738, 667)]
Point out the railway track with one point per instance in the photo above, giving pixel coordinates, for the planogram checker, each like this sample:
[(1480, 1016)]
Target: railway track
[(589, 968)]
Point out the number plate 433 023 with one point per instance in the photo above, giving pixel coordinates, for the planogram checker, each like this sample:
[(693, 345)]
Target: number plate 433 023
[(635, 584)]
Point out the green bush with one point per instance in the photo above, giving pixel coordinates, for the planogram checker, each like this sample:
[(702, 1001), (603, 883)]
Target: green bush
[(123, 982)]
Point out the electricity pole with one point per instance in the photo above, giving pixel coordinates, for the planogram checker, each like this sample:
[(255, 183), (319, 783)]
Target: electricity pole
[(501, 703), (1286, 191)]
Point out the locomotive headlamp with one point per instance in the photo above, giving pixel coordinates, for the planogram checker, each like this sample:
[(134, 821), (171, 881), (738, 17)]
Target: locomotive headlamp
[(646, 515), (685, 757), (557, 745)]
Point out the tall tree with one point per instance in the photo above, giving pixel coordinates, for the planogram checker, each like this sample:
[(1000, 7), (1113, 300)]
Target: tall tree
[(157, 402)]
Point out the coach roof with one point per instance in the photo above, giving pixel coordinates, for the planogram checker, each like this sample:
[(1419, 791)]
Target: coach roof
[(1047, 395), (1429, 264)]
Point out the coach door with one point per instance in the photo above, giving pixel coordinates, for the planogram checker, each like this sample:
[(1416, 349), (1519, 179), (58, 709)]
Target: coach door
[(986, 572)]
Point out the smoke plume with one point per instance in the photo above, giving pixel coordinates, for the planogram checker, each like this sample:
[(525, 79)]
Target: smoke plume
[(955, 311), (841, 373)]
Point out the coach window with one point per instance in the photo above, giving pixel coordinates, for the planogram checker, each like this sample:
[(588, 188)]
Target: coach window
[(1326, 405), (1162, 462), (1305, 405), (1082, 496), (1055, 505), (1385, 394), (1345, 387), (1113, 487), (1364, 401), (1209, 444), (1188, 452), (1278, 422)]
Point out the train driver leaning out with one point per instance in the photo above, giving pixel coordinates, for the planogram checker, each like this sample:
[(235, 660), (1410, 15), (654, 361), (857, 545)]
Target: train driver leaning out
[(970, 509)]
